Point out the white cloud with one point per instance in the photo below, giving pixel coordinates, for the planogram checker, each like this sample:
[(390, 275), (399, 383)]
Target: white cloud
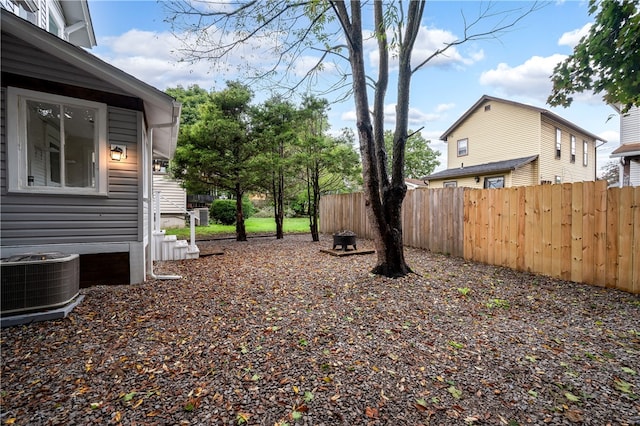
[(164, 60), (571, 38), (142, 43), (604, 151), (429, 40), (304, 64), (611, 136), (152, 58), (445, 107), (530, 79), (417, 118)]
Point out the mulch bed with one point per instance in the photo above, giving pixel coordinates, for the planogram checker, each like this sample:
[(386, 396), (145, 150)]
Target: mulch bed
[(275, 332)]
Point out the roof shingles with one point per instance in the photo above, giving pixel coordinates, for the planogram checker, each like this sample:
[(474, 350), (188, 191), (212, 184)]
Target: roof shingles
[(482, 169)]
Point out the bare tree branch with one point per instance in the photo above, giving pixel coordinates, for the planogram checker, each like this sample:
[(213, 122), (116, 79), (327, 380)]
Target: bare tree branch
[(497, 29)]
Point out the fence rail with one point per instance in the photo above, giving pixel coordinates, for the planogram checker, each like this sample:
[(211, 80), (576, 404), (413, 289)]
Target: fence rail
[(579, 232)]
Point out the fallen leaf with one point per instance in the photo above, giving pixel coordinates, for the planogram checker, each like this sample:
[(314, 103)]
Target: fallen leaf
[(456, 393), (571, 397), (421, 404), (370, 412), (574, 416)]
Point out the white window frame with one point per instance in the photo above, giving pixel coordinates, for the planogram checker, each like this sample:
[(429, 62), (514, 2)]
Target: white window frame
[(450, 184), (573, 149), (585, 153), (54, 13), (558, 143), (466, 147), (488, 179), (17, 165)]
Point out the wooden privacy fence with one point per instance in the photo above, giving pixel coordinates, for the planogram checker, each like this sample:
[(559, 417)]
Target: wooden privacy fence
[(579, 232)]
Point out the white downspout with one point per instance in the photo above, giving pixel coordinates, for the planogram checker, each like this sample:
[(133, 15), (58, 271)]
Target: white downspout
[(150, 208)]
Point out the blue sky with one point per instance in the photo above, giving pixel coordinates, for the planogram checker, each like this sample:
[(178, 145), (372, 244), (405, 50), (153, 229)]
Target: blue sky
[(132, 35)]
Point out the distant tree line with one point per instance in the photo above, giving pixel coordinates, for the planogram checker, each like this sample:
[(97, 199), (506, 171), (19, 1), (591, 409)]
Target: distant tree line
[(228, 145)]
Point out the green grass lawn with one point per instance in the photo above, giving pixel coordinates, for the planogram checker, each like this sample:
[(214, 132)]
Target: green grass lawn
[(254, 225)]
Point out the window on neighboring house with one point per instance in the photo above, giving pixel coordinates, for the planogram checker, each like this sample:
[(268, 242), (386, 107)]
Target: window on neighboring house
[(450, 184), (494, 182), (558, 143), (60, 143), (585, 153), (558, 179), (573, 149), (28, 10), (54, 26), (463, 148)]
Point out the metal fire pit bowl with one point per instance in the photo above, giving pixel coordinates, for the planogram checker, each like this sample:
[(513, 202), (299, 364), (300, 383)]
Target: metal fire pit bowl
[(344, 239)]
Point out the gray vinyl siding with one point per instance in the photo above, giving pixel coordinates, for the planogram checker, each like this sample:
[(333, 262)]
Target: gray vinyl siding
[(21, 58), (40, 219)]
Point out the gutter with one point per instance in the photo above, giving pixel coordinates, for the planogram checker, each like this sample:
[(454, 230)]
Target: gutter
[(595, 154), (174, 120)]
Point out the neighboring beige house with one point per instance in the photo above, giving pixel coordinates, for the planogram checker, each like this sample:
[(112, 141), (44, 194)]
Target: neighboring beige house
[(500, 143), (629, 150), (414, 183)]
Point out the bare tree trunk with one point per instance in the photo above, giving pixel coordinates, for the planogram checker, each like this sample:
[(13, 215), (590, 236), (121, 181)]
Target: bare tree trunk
[(279, 205), (314, 204), (241, 232), (384, 202)]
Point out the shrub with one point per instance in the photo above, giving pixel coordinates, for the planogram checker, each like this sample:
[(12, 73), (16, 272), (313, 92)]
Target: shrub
[(247, 208), (268, 212), (224, 211)]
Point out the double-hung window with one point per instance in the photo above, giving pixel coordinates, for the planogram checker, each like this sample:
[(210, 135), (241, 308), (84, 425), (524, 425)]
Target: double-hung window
[(558, 143), (585, 153), (56, 144), (55, 24), (494, 182), (463, 147), (573, 149)]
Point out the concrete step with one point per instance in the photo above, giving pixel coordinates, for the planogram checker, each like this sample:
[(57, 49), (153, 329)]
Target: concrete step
[(168, 247), (180, 250)]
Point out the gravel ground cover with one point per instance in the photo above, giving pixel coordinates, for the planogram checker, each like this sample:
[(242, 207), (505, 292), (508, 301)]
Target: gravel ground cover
[(274, 332)]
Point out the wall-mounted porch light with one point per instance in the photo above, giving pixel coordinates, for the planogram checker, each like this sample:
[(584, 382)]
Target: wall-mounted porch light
[(118, 152), (477, 179)]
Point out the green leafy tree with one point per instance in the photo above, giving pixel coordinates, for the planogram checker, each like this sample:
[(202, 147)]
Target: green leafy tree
[(328, 163), (301, 27), (607, 60), (216, 150), (420, 160), (273, 128), (191, 98)]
